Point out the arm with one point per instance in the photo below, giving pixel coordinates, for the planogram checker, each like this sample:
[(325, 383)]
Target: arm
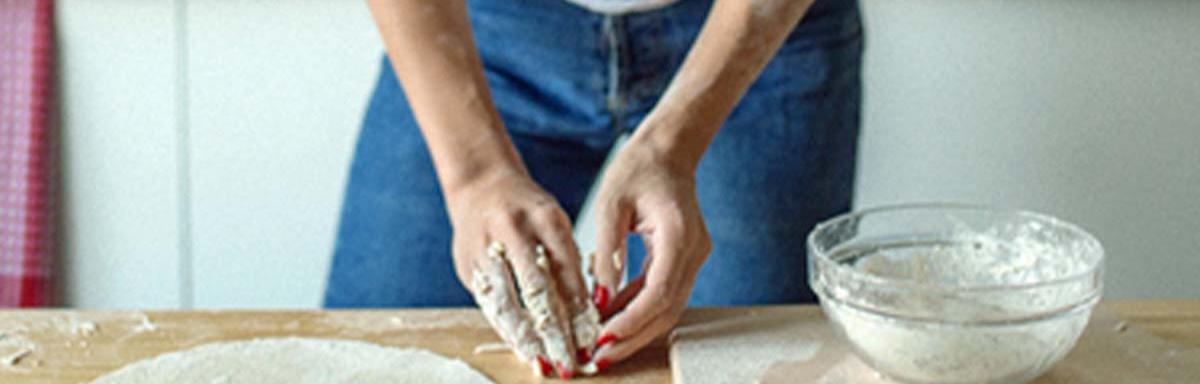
[(431, 48), (505, 225), (739, 38), (650, 187)]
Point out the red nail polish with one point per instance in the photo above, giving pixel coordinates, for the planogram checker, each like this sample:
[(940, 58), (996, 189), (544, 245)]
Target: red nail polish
[(582, 355), (600, 297), (605, 338), (564, 373), (601, 365), (544, 366)]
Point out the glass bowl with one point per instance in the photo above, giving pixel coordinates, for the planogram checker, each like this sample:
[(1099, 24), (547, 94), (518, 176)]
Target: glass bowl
[(945, 293)]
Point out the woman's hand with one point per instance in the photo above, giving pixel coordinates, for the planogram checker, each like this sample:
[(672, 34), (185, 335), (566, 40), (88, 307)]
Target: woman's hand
[(650, 187), (505, 226), (652, 193)]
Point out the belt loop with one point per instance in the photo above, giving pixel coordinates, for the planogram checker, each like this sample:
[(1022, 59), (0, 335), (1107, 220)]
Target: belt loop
[(613, 34)]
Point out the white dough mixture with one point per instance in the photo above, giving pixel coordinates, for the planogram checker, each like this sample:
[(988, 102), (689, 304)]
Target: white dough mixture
[(296, 361)]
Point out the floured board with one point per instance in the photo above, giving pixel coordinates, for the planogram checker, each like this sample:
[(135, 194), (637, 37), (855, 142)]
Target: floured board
[(71, 347), (61, 347), (797, 345)]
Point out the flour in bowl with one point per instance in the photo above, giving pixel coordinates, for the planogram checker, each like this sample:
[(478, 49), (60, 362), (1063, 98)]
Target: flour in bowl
[(995, 306)]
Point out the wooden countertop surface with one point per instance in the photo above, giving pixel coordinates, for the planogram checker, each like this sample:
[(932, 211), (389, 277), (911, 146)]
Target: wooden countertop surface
[(75, 346)]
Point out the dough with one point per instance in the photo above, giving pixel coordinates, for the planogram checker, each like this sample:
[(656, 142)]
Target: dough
[(295, 361), (744, 349)]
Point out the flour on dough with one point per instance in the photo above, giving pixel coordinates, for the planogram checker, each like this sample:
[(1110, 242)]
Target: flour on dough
[(296, 361)]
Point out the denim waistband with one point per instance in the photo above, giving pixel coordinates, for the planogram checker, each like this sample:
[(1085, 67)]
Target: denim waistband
[(612, 68)]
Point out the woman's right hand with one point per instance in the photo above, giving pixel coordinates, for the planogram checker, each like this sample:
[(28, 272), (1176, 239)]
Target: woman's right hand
[(505, 225), (545, 313)]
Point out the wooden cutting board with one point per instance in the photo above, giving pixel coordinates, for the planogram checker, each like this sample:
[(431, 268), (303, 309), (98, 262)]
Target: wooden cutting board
[(797, 345), (78, 346), (67, 346)]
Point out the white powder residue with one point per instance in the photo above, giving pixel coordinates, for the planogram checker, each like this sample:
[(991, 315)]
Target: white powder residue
[(14, 347), (84, 328), (296, 361), (361, 323), (739, 350), (939, 335), (145, 325), (491, 348), (15, 357)]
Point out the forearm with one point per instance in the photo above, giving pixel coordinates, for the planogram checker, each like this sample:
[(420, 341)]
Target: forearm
[(434, 56), (737, 40)]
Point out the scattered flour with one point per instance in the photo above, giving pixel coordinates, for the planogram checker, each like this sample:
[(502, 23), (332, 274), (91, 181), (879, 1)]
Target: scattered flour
[(491, 348), (14, 358), (145, 325), (741, 349), (371, 323), (14, 347), (84, 328), (296, 361)]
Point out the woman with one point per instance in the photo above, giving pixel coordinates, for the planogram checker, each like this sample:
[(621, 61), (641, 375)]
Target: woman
[(471, 167)]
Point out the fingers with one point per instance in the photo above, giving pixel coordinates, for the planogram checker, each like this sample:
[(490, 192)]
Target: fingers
[(554, 229), (655, 307), (620, 348), (540, 296), (585, 325), (652, 313), (613, 221), (624, 297), (495, 293)]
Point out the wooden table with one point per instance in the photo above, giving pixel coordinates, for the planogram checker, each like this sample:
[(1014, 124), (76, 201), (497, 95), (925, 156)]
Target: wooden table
[(71, 346)]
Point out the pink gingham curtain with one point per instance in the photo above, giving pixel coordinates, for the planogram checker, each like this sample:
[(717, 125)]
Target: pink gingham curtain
[(26, 156)]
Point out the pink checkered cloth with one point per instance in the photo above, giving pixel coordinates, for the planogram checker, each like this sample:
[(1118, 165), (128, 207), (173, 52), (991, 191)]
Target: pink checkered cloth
[(26, 157)]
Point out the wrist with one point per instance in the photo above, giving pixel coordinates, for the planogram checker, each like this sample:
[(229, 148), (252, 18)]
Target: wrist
[(679, 142), (479, 169)]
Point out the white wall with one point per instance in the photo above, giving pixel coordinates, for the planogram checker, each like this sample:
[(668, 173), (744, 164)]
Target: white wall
[(206, 145), (276, 94), (120, 219), (1087, 110), (206, 142)]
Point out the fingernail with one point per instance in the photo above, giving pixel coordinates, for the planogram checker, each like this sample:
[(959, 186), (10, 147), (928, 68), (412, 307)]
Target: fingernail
[(543, 365), (600, 297), (616, 259), (605, 338), (582, 355), (564, 373), (601, 365)]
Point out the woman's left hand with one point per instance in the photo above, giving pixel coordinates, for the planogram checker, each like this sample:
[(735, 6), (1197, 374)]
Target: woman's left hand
[(652, 193)]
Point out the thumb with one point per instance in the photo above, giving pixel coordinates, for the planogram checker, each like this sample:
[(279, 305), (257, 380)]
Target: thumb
[(613, 223)]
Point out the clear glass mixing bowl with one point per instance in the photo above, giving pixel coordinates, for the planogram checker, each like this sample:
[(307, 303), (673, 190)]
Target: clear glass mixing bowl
[(945, 293)]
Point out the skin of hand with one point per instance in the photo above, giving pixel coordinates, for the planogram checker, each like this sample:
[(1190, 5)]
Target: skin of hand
[(649, 188), (645, 192), (490, 197), (513, 213)]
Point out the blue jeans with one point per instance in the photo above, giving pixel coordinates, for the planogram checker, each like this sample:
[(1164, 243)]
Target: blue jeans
[(567, 83)]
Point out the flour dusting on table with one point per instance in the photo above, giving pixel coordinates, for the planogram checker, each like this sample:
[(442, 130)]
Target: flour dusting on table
[(296, 361)]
